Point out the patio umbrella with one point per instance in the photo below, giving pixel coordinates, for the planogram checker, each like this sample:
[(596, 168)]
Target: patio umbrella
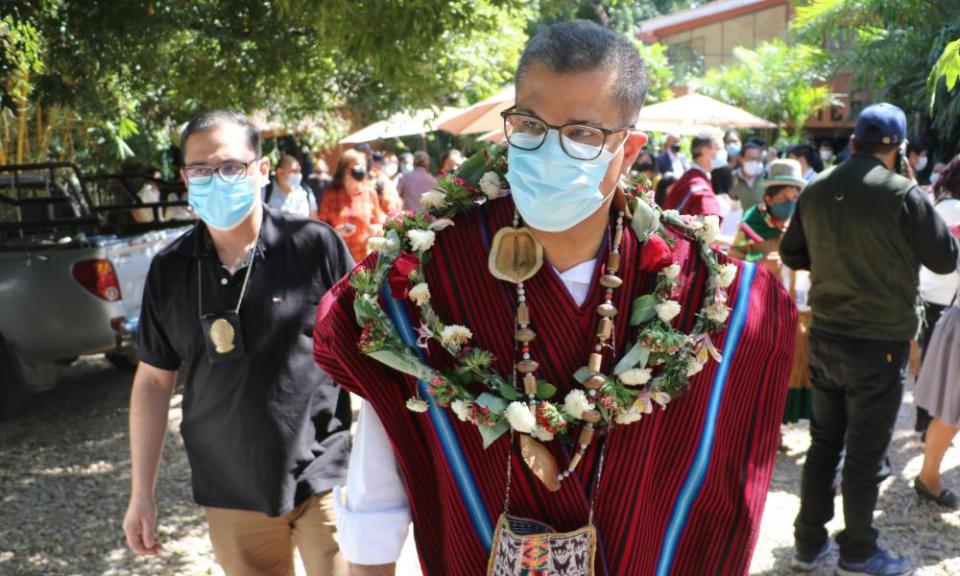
[(480, 118), (697, 109), (401, 124)]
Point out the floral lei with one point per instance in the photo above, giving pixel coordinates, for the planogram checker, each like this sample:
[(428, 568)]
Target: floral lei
[(654, 369)]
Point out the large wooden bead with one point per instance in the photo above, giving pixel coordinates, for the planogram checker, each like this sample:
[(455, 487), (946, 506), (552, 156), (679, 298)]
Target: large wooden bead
[(607, 310), (525, 335), (530, 384), (523, 315), (595, 382), (613, 262), (595, 362), (575, 461), (610, 281), (527, 366), (605, 329), (592, 416), (586, 435)]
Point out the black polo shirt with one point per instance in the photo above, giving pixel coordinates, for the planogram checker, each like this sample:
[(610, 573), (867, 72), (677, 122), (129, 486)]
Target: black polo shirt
[(265, 431)]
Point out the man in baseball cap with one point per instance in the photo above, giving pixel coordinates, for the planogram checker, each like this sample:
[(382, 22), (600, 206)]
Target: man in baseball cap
[(863, 231)]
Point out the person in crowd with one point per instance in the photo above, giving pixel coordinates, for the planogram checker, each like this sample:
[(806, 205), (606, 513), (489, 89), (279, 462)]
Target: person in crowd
[(918, 157), (748, 185), (763, 224), (178, 212), (758, 240), (351, 206), (384, 183), (663, 188), (454, 493), (149, 193), (731, 143), (827, 156), (938, 393), (644, 168), (230, 305), (285, 192), (449, 162), (692, 193), (414, 184), (808, 158), (319, 179), (863, 231), (769, 155), (406, 164), (669, 159)]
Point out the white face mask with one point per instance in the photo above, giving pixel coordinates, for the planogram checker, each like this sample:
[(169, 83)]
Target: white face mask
[(934, 178), (826, 155), (921, 163), (720, 159), (751, 167)]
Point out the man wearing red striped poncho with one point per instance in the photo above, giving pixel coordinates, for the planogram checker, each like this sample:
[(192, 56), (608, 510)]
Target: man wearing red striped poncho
[(682, 488)]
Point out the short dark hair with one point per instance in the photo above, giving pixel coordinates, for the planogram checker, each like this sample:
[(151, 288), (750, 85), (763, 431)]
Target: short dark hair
[(751, 145), (776, 188), (287, 160), (873, 145), (949, 184), (215, 118), (917, 145), (583, 46), (701, 141)]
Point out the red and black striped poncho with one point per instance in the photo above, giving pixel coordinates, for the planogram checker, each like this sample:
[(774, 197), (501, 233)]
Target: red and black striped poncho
[(682, 491)]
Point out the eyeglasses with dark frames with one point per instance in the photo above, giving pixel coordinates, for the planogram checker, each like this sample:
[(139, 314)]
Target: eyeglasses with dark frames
[(229, 172), (579, 141)]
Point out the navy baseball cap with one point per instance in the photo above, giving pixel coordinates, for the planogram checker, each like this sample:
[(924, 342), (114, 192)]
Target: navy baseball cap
[(889, 121)]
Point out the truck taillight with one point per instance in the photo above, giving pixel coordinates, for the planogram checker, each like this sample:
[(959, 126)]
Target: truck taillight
[(99, 278)]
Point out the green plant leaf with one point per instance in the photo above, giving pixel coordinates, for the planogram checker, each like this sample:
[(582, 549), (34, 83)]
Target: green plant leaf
[(402, 363), (636, 357), (643, 309), (508, 392), (545, 390), (490, 434)]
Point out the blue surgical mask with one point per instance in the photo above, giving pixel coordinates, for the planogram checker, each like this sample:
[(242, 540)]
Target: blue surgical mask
[(553, 191), (222, 205), (294, 180), (783, 210), (733, 150), (720, 160)]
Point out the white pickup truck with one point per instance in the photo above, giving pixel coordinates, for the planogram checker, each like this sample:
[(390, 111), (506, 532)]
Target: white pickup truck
[(72, 271)]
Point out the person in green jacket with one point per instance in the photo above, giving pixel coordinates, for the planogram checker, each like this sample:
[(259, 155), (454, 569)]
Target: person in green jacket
[(863, 231)]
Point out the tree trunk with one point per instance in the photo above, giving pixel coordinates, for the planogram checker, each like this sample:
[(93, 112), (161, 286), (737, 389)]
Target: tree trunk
[(21, 128)]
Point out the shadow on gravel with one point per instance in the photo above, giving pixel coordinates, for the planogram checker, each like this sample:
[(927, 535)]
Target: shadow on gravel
[(64, 482)]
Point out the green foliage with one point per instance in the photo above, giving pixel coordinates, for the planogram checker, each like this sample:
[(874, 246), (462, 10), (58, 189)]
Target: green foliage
[(659, 73), (620, 15), (947, 68), (121, 66), (890, 46), (784, 83), (22, 61)]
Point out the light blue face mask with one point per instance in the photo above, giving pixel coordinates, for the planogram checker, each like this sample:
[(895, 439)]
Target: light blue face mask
[(294, 180), (222, 205), (553, 191)]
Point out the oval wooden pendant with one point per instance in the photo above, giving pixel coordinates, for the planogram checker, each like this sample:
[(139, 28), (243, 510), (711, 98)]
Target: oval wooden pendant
[(540, 461), (516, 255)]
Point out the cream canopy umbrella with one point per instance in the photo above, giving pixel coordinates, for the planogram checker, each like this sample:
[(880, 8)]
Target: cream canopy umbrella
[(401, 124), (703, 111), (480, 118)]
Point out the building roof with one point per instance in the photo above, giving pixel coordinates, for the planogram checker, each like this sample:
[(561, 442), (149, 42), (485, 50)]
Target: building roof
[(700, 16)]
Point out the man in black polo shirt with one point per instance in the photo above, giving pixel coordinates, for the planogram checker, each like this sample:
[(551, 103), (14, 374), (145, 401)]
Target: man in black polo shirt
[(231, 305), (863, 231)]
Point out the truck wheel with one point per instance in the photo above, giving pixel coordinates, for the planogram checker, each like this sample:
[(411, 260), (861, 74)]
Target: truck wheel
[(12, 393), (123, 360)]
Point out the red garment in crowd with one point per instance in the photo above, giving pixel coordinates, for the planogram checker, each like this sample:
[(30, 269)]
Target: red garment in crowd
[(693, 194), (682, 489)]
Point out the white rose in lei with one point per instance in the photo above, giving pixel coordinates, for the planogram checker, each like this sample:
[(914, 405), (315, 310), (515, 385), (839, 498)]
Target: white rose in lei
[(490, 185), (576, 403), (668, 310), (672, 271), (629, 416), (711, 228), (726, 274), (462, 409), (454, 336), (377, 244), (432, 199), (718, 312), (417, 405), (542, 435), (421, 240), (635, 377), (520, 417), (420, 293)]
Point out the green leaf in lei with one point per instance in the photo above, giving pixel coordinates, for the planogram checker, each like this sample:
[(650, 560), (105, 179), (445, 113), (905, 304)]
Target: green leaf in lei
[(636, 357), (496, 405), (644, 308), (402, 362)]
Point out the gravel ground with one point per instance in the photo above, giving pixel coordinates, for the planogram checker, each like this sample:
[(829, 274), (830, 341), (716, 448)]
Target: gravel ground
[(64, 475)]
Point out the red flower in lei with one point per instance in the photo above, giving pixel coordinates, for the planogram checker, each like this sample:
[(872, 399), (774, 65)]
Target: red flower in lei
[(399, 279), (655, 255)]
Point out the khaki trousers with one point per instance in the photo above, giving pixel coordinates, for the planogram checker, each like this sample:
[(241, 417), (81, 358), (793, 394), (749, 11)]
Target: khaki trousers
[(254, 544)]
